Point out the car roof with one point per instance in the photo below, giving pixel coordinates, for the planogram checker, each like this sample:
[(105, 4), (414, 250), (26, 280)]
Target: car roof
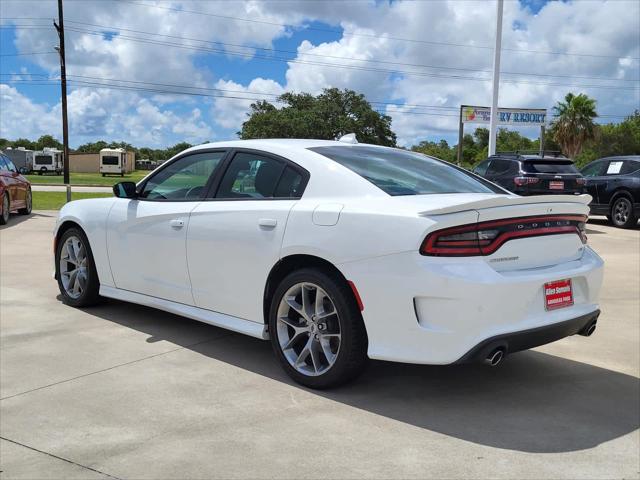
[(530, 158), (619, 157)]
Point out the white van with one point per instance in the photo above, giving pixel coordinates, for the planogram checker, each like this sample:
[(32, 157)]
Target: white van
[(113, 161), (48, 160)]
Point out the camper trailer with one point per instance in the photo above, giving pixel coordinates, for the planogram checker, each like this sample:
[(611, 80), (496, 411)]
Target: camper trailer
[(21, 158), (48, 160), (113, 161)]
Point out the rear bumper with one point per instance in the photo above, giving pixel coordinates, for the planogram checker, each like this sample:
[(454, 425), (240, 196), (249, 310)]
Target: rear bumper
[(526, 339), (432, 310)]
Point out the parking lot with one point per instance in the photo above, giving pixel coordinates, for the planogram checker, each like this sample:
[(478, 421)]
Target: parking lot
[(126, 391)]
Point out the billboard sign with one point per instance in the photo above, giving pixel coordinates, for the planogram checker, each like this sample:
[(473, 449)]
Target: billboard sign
[(525, 117)]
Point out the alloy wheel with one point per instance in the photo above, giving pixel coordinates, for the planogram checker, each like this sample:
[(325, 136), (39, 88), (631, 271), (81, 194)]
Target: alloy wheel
[(621, 211), (73, 267), (308, 329)]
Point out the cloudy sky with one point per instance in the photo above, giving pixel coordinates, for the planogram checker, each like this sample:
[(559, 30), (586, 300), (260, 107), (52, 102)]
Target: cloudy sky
[(156, 72)]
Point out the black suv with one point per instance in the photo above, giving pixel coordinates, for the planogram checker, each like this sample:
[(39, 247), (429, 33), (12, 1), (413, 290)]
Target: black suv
[(528, 174), (614, 184)]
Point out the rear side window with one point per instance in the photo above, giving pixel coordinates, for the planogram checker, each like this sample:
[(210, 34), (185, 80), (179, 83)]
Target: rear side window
[(502, 167), (250, 176), (549, 167), (594, 169), (481, 169), (401, 172), (290, 184)]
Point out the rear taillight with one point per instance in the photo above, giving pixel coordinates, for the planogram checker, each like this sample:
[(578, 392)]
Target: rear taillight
[(581, 181), (520, 181), (485, 238)]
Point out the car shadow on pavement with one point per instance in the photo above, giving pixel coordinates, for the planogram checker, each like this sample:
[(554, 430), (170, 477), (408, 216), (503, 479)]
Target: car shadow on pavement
[(533, 402), (16, 219)]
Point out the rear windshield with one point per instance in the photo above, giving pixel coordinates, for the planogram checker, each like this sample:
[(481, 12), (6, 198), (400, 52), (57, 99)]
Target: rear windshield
[(401, 172), (110, 160), (549, 167)]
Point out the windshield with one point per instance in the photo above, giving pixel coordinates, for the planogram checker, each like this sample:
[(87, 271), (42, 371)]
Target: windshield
[(549, 167), (401, 172)]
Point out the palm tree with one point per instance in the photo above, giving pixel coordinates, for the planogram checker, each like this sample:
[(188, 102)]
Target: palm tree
[(574, 123)]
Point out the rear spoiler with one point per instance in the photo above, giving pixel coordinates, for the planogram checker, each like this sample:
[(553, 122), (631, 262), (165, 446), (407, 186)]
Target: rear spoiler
[(504, 201)]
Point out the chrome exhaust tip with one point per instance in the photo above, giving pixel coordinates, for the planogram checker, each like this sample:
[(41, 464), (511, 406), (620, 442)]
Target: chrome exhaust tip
[(494, 358), (588, 331)]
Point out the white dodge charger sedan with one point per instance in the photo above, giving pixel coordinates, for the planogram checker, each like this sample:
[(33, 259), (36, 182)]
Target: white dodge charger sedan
[(338, 252)]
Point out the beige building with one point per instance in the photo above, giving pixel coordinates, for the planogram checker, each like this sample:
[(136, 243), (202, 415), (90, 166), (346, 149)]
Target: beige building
[(90, 162)]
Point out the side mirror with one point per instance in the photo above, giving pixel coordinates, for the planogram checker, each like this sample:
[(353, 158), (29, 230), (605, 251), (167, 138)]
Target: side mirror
[(125, 190)]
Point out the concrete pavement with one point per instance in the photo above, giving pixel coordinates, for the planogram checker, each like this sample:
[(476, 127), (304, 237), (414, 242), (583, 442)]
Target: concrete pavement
[(126, 391)]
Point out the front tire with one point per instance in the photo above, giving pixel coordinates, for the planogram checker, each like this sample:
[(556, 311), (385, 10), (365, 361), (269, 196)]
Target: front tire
[(316, 329), (75, 269), (28, 204), (6, 209), (622, 214)]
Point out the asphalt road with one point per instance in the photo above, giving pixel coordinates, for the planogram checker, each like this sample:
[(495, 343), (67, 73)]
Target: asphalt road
[(129, 392)]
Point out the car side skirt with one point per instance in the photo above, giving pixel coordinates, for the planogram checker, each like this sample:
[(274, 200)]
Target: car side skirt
[(235, 324)]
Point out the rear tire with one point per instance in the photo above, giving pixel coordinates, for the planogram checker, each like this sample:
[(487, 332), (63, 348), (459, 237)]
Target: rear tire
[(6, 209), (29, 204), (622, 214), (75, 269), (322, 343)]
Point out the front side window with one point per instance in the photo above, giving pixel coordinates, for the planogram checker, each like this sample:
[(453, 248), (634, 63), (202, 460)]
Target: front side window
[(402, 172), (183, 179), (254, 176), (630, 166), (10, 165), (3, 164)]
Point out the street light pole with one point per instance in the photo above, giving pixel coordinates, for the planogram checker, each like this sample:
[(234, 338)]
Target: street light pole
[(493, 124), (63, 84)]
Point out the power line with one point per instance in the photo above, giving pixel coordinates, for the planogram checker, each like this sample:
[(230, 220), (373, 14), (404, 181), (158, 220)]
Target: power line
[(339, 66), (104, 84), (26, 54), (294, 52), (308, 27)]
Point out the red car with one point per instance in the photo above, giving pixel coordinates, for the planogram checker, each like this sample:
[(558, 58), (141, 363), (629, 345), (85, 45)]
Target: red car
[(15, 191)]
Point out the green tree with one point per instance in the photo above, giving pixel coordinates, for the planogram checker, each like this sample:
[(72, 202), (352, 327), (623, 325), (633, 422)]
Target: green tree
[(574, 124), (440, 150), (327, 116), (47, 141)]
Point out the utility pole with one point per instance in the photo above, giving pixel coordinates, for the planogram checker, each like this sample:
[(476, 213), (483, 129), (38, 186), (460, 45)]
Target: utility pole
[(493, 124), (63, 84)]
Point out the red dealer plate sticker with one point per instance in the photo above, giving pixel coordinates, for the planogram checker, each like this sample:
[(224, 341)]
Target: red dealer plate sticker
[(558, 294), (556, 185)]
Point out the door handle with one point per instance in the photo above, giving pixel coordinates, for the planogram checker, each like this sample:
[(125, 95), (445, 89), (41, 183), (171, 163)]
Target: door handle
[(176, 223), (268, 222)]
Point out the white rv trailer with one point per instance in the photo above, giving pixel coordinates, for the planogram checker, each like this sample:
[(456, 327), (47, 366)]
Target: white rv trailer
[(113, 161), (47, 160), (21, 158)]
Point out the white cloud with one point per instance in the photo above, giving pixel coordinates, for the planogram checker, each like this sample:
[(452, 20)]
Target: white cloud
[(230, 112), (20, 117), (599, 29)]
